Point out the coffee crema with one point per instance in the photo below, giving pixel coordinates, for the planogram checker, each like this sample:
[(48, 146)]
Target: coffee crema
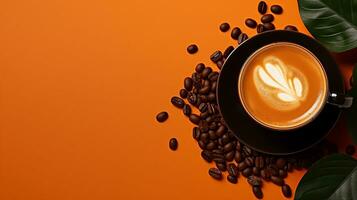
[(282, 86)]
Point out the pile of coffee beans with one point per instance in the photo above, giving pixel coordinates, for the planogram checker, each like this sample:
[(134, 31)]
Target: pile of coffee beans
[(218, 144)]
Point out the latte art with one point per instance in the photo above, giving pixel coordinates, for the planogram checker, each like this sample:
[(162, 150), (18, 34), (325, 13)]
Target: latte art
[(284, 86)]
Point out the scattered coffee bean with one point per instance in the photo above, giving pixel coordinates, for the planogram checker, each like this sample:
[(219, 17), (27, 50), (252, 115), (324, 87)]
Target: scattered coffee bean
[(249, 161), (251, 23), (228, 147), (232, 170), (259, 162), (196, 133), (247, 172), (229, 156), (269, 26), (192, 98), (258, 192), (191, 49), (206, 155), (187, 110), (220, 64), (237, 156), (242, 166), (224, 27), (177, 102), (216, 56), (183, 93), (267, 18), (173, 144), (228, 51), (206, 72), (260, 28), (235, 33), (199, 67), (286, 190), (195, 119), (254, 181), (162, 116), (277, 180), (242, 37), (221, 166), (280, 163), (290, 28), (276, 9), (232, 179), (262, 7), (215, 173), (350, 149), (188, 83)]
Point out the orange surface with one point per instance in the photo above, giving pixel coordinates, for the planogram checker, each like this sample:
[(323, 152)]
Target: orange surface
[(81, 83)]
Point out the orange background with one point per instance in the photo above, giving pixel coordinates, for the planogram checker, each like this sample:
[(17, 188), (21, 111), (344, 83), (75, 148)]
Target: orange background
[(81, 83)]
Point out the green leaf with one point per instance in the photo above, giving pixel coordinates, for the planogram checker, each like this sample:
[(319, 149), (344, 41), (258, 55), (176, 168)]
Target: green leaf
[(332, 22), (352, 112), (331, 178)]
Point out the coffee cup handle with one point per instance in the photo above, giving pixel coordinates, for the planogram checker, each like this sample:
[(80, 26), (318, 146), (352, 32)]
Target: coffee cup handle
[(340, 100)]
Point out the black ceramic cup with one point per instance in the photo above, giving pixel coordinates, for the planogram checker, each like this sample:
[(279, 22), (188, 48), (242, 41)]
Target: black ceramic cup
[(265, 139)]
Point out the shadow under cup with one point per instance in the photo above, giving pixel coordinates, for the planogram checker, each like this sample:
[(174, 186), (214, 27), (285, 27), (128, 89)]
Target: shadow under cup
[(280, 92)]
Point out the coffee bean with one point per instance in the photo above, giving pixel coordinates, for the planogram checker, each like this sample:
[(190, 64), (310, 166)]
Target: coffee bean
[(215, 173), (191, 49), (221, 130), (228, 147), (228, 51), (221, 166), (276, 9), (210, 146), (265, 174), (251, 23), (242, 166), (269, 26), (204, 90), (280, 163), (249, 161), (224, 27), (242, 37), (237, 157), (213, 76), (277, 180), (267, 18), (216, 56), (203, 126), (259, 162), (183, 93), (195, 119), (188, 83), (196, 133), (282, 173), (235, 33), (229, 156), (232, 170), (206, 155), (254, 181), (206, 72), (258, 192), (260, 28), (220, 64), (211, 97), (232, 179), (214, 86), (247, 172), (173, 144), (187, 110), (286, 190), (177, 102), (204, 137), (192, 98), (202, 144), (290, 28), (162, 116), (350, 149), (247, 151), (273, 170), (203, 107), (199, 67), (218, 151), (238, 146), (262, 7)]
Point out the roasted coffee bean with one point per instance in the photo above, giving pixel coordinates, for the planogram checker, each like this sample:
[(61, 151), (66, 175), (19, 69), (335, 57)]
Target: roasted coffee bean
[(350, 149), (211, 97), (238, 146), (258, 192), (209, 119), (260, 28), (177, 102), (273, 170), (242, 166), (202, 144), (203, 126), (232, 170), (216, 56), (213, 126), (199, 67), (256, 171), (204, 90), (204, 137), (221, 130), (237, 157), (191, 49), (210, 146), (206, 155), (251, 23), (247, 172), (218, 151), (213, 76), (221, 166), (203, 98), (232, 179), (228, 147), (228, 51), (215, 173), (173, 144), (247, 151), (183, 93), (229, 156), (290, 28), (204, 115), (206, 83), (220, 64), (259, 162), (206, 72), (265, 174), (276, 9), (195, 119), (235, 33), (269, 26), (192, 98), (254, 181), (249, 161), (282, 173), (203, 107), (277, 180), (267, 18), (196, 133), (286, 190), (212, 135), (262, 7), (187, 110), (196, 79), (280, 163), (242, 37), (224, 27), (188, 83), (214, 86), (162, 116)]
